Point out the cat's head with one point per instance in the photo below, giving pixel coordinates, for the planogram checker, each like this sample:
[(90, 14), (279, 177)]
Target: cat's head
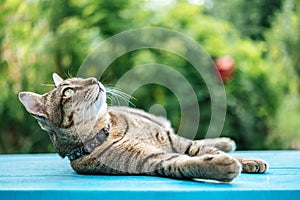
[(70, 112)]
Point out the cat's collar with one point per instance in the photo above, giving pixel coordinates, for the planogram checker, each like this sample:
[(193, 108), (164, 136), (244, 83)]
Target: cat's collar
[(90, 145)]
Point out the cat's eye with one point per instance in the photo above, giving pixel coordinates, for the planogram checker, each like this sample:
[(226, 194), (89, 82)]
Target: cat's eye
[(68, 92)]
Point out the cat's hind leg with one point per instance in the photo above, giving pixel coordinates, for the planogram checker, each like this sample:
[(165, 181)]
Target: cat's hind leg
[(218, 146), (249, 165), (197, 147)]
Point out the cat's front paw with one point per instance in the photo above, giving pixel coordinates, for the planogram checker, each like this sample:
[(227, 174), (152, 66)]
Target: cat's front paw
[(225, 144), (254, 166), (222, 167)]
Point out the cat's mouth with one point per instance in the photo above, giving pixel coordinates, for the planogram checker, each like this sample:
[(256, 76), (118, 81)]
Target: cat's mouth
[(100, 94), (101, 87)]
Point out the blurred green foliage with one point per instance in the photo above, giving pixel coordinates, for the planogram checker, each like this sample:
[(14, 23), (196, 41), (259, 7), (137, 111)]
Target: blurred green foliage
[(38, 38), (251, 18), (284, 54)]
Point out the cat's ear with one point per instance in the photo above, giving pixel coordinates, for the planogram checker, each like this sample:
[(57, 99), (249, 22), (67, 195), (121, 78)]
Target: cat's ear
[(57, 79), (33, 104)]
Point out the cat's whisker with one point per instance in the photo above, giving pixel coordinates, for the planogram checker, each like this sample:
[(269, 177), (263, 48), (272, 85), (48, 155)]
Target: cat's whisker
[(68, 74), (48, 85), (117, 101), (115, 95), (113, 101)]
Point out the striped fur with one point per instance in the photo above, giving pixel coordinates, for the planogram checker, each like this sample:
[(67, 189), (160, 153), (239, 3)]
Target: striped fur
[(138, 143)]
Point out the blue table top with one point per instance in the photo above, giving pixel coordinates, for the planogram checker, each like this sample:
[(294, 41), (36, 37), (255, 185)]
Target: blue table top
[(47, 176)]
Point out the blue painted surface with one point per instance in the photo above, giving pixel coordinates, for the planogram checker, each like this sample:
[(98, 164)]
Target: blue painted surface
[(47, 176)]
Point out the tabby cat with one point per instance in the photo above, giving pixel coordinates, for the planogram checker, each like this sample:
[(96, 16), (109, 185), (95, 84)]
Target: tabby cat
[(99, 139)]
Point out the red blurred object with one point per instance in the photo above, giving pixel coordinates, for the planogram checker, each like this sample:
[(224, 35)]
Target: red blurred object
[(225, 66)]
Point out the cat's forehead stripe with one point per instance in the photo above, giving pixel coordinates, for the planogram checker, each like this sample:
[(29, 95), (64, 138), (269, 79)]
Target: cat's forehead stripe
[(70, 82), (78, 82)]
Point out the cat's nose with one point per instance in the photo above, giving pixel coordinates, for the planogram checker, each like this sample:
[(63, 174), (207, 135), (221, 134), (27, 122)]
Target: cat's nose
[(92, 81)]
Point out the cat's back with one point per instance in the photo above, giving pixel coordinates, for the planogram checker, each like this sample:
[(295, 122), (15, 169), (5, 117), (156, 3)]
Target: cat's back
[(133, 117)]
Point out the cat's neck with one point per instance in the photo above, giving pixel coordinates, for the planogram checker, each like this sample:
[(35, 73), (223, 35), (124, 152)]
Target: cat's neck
[(102, 123), (65, 145)]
